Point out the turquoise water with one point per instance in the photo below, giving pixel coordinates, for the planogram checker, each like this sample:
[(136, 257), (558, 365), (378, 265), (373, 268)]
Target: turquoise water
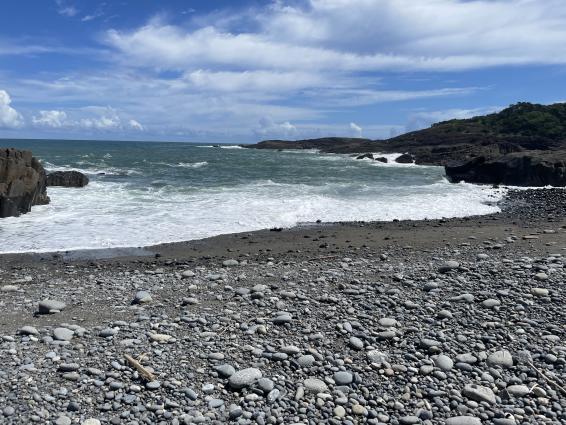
[(144, 193)]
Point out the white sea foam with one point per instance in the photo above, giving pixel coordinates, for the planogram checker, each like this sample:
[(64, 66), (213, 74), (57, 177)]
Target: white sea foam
[(109, 214)]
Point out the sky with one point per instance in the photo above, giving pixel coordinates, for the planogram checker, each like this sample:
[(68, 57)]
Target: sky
[(240, 71)]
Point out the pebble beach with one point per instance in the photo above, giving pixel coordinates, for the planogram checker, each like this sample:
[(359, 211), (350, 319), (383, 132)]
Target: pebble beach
[(456, 321)]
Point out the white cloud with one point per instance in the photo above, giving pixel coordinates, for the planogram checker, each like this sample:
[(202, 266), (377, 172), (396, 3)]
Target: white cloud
[(9, 117), (66, 9), (362, 35), (135, 125), (356, 129), (52, 119), (264, 81), (270, 129)]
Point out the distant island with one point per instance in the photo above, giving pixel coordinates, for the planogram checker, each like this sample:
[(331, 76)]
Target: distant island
[(523, 145)]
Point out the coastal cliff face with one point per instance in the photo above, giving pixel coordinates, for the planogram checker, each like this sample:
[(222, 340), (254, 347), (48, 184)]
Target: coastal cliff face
[(523, 145), (22, 182)]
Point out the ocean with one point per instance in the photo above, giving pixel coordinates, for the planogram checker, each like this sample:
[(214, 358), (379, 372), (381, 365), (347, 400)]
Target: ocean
[(145, 193)]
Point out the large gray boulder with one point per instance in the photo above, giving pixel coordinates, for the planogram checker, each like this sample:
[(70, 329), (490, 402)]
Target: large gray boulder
[(22, 182)]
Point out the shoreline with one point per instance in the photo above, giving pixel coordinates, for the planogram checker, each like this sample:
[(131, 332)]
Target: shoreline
[(512, 207)]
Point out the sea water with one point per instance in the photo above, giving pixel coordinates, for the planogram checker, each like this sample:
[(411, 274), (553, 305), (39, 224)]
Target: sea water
[(145, 193)]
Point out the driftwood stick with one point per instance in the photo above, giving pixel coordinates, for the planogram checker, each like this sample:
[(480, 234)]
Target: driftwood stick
[(548, 379), (144, 373)]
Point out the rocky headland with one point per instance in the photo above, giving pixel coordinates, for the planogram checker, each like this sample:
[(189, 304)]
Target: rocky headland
[(523, 145)]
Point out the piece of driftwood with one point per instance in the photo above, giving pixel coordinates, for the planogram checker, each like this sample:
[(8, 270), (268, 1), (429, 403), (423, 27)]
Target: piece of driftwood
[(551, 381), (144, 373)]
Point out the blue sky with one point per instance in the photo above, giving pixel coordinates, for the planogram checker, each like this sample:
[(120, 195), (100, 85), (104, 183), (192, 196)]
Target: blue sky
[(242, 71)]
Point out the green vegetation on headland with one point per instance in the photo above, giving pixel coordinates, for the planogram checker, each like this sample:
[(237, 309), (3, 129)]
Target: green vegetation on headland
[(524, 144)]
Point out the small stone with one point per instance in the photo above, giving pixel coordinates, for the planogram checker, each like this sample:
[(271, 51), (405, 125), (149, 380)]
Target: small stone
[(230, 263), (91, 421), (358, 409), (244, 378), (315, 385), (500, 358), (448, 266), (50, 306), (306, 361), (356, 343), (444, 362), (105, 333), (463, 420), (142, 297), (63, 334), (9, 288), (188, 273), (339, 411), (376, 356), (28, 330), (343, 378), (8, 411), (63, 420), (518, 390), (224, 370), (479, 393), (387, 322), (153, 385), (540, 292), (490, 303)]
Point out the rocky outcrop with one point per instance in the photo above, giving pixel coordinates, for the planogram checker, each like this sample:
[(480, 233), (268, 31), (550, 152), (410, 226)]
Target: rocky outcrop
[(22, 182), (365, 156), (405, 159), (523, 144), (529, 168), (67, 179)]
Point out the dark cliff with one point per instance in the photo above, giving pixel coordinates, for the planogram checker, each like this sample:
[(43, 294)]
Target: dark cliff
[(525, 139), (22, 182)]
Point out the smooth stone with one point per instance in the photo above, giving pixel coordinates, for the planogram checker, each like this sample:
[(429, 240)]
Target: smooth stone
[(387, 322), (315, 385), (518, 390), (225, 370), (448, 266), (244, 378), (500, 358), (540, 292), (230, 263), (153, 385), (463, 420), (479, 393), (356, 343), (306, 360), (343, 378), (376, 356), (339, 411), (9, 288), (188, 273), (91, 421), (104, 333), (49, 306), (444, 362), (142, 297), (28, 330), (63, 420), (63, 334), (490, 303)]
